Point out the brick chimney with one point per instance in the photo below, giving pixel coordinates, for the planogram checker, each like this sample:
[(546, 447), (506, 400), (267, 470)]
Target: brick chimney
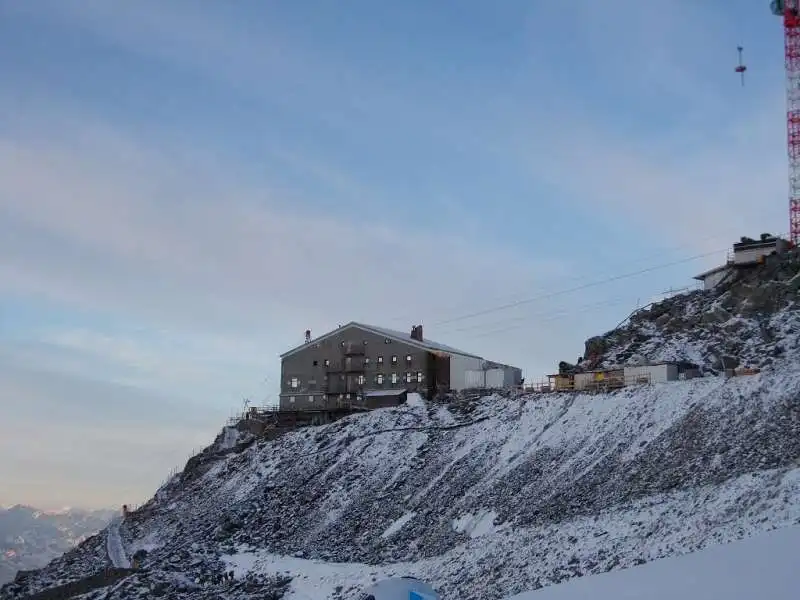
[(416, 333)]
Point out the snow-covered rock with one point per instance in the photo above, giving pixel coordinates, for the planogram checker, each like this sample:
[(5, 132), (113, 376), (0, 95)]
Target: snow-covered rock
[(749, 321)]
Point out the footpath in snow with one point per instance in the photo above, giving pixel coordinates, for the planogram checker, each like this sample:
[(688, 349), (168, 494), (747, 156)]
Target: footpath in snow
[(116, 551)]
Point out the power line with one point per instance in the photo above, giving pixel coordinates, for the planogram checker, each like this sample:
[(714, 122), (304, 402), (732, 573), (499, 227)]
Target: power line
[(544, 314), (575, 278), (577, 288), (555, 316)]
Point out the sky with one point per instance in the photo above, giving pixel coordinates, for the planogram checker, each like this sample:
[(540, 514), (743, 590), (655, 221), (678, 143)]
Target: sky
[(186, 187)]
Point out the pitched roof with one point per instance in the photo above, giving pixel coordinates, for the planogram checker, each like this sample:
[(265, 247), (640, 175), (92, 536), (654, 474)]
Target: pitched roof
[(399, 336), (710, 272)]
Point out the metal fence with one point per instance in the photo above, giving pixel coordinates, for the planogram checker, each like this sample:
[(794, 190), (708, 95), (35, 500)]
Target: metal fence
[(565, 384)]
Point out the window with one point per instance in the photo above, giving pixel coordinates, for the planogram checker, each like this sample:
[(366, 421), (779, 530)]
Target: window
[(379, 379), (348, 396), (409, 377), (408, 359), (361, 380), (387, 341), (365, 342), (327, 363), (316, 363), (419, 376), (294, 383), (394, 359), (394, 377), (380, 360), (311, 399), (342, 344), (291, 399), (366, 360)]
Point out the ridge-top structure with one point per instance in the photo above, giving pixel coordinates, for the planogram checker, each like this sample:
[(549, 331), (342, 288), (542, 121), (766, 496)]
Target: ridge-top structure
[(364, 365), (788, 9)]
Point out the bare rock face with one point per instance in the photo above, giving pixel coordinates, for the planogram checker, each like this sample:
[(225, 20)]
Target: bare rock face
[(595, 346)]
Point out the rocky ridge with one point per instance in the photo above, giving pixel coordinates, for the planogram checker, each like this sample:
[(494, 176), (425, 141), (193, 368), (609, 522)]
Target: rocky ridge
[(734, 325)]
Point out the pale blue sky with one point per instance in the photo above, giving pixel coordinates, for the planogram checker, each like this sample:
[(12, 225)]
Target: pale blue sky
[(187, 186)]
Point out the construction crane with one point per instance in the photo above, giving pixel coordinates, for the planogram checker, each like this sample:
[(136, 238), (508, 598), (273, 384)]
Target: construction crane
[(788, 9)]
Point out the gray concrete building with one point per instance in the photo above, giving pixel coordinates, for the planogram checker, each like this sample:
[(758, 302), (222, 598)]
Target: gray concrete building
[(356, 363)]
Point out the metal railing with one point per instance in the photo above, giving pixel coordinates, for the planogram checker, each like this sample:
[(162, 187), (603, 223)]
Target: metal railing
[(546, 386)]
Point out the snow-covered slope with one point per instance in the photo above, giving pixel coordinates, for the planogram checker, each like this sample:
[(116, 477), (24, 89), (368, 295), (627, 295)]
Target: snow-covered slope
[(761, 567), (30, 538), (484, 499), (504, 497), (741, 323)]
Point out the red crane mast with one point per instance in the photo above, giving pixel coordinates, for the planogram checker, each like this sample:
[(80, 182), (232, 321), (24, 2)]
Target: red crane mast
[(788, 9)]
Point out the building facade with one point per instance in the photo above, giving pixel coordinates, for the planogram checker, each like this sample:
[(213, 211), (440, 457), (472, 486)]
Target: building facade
[(343, 367), (749, 251), (745, 253)]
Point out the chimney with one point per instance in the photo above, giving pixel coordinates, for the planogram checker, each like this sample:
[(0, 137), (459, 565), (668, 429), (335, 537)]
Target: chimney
[(416, 333), (308, 335)]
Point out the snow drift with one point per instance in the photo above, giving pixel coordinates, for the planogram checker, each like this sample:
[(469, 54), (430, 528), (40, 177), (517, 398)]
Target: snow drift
[(762, 567)]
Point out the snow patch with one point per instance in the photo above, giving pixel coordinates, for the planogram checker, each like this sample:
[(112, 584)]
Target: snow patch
[(229, 439), (415, 400), (313, 578), (397, 525), (761, 567), (116, 551), (476, 525)]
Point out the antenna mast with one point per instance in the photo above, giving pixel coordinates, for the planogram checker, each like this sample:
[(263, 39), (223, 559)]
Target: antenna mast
[(741, 68), (788, 9)]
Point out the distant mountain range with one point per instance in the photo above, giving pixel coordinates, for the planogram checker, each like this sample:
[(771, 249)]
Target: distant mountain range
[(30, 538)]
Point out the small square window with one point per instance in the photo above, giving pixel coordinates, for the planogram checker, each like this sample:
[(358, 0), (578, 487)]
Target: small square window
[(341, 343), (394, 359), (366, 360), (311, 399), (316, 363), (380, 360), (327, 363), (387, 341), (291, 399), (294, 383), (379, 379), (408, 358), (365, 342)]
